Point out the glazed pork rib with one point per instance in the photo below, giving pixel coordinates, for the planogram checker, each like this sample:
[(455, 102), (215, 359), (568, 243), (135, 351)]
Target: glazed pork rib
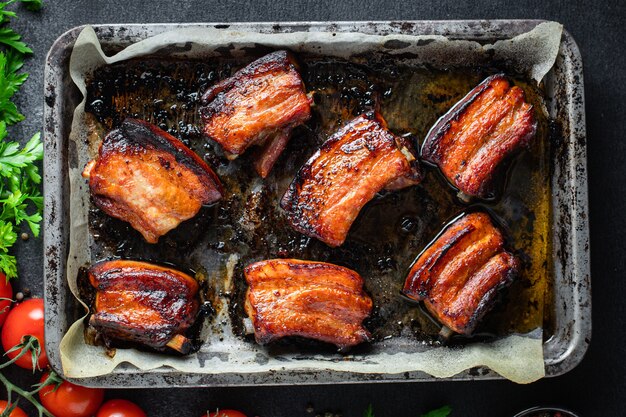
[(354, 164), (146, 177), (260, 105), (143, 303), (317, 300), (470, 142), (459, 275)]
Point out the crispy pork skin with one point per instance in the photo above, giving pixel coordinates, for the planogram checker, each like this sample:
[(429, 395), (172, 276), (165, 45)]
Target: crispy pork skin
[(150, 179), (259, 105), (354, 164), (459, 275), (472, 139), (316, 300), (142, 303)]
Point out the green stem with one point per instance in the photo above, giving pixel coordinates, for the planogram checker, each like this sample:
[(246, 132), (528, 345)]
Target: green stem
[(24, 394), (26, 349), (52, 379)]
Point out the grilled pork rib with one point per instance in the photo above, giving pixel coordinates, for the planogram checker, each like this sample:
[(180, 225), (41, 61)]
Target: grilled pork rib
[(354, 164), (143, 303), (150, 179), (291, 297), (472, 139), (460, 273), (259, 105)]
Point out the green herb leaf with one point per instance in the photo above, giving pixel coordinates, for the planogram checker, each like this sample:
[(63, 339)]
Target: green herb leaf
[(440, 412), (5, 15), (14, 208), (15, 61), (12, 157), (7, 236), (7, 239), (8, 265), (12, 39), (20, 196), (369, 411), (10, 82), (32, 5)]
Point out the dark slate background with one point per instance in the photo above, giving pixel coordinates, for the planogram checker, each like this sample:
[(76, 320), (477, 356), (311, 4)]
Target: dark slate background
[(595, 388)]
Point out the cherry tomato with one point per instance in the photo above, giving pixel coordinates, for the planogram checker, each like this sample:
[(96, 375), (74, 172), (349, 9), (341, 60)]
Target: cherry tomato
[(120, 408), (26, 318), (69, 400), (17, 412), (5, 292), (226, 413)]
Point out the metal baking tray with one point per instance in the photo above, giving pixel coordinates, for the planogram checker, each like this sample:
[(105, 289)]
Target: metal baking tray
[(570, 258)]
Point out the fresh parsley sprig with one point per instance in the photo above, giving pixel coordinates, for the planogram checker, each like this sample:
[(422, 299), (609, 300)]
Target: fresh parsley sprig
[(10, 82), (20, 196), (7, 35)]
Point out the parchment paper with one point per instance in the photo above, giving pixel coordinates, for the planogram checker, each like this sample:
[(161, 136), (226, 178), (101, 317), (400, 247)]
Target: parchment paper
[(516, 357)]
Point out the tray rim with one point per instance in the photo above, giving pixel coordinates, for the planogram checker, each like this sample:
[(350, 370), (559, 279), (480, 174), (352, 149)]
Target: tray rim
[(559, 357)]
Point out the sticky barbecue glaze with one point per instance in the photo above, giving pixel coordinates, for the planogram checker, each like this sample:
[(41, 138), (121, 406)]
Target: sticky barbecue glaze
[(472, 140), (316, 300), (150, 179), (139, 302), (259, 105), (459, 275), (354, 164)]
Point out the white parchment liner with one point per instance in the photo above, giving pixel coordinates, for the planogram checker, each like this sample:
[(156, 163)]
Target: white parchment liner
[(516, 357)]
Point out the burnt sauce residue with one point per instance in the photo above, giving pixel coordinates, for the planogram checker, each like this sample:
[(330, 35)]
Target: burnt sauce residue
[(247, 225)]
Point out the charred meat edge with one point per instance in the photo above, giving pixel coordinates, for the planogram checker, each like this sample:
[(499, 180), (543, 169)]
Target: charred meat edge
[(448, 248), (134, 135), (148, 136), (432, 151), (351, 285), (293, 201), (272, 142), (107, 276)]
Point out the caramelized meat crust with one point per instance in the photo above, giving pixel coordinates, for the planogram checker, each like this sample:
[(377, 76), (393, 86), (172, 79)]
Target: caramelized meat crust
[(259, 105), (316, 300), (459, 275), (142, 303), (354, 164), (470, 142), (150, 179)]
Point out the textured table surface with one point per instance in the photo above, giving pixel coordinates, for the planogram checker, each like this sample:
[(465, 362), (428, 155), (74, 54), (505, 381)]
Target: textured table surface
[(594, 388)]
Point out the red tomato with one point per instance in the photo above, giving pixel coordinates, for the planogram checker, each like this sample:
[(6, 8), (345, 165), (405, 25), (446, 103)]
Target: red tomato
[(5, 292), (26, 318), (226, 413), (17, 412), (69, 400), (120, 408)]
